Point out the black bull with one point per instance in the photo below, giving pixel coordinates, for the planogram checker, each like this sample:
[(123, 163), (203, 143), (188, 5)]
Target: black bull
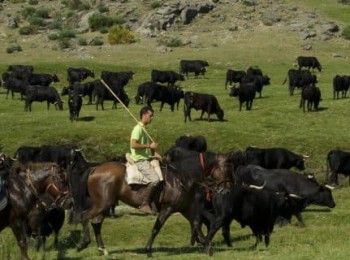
[(183, 173)]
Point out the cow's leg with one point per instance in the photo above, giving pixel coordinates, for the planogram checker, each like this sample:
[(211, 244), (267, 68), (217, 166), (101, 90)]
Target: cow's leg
[(202, 113), (226, 232), (162, 217), (300, 219)]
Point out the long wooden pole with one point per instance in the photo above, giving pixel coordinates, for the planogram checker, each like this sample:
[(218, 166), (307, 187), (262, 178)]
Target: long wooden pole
[(126, 108)]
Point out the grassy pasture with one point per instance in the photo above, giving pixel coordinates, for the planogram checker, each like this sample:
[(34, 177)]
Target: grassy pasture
[(275, 120)]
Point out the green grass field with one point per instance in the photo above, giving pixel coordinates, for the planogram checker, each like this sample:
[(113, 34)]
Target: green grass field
[(275, 120)]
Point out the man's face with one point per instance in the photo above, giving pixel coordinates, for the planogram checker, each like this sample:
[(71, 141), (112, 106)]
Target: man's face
[(147, 118)]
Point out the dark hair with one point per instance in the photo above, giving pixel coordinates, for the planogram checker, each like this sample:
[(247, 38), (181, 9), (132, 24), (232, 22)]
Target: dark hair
[(144, 110)]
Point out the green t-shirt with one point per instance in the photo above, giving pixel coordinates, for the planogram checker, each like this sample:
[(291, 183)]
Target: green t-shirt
[(142, 138)]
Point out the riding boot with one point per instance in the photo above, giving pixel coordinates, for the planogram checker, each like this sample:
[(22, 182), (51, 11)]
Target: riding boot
[(147, 199)]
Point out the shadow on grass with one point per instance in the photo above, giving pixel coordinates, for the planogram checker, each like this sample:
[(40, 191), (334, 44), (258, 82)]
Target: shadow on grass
[(86, 118)]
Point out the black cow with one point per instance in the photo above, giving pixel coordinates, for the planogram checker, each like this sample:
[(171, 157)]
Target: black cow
[(274, 158), (59, 154), (44, 220), (245, 93), (194, 66), (117, 79), (102, 94), (78, 74), (165, 94), (309, 62), (312, 95), (13, 84), (205, 102), (234, 76), (338, 161), (283, 180), (340, 84), (75, 101), (167, 76), (86, 89), (38, 93), (258, 80), (257, 209), (299, 79), (21, 71), (254, 71), (193, 143), (42, 79)]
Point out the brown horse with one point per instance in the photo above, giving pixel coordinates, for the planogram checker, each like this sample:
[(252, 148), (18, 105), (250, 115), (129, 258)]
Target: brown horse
[(95, 189), (24, 185)]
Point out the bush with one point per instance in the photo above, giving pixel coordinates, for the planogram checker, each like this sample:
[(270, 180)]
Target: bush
[(38, 21), (17, 1), (28, 12), (97, 21), (52, 36), (33, 2), (120, 35), (156, 4), (42, 12), (55, 25), (346, 32), (27, 30), (103, 9), (66, 33), (96, 42), (13, 48), (82, 42), (103, 30), (174, 42), (64, 43)]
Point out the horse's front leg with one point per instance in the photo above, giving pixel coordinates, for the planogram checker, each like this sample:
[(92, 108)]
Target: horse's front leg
[(162, 217), (97, 224), (18, 230), (86, 236)]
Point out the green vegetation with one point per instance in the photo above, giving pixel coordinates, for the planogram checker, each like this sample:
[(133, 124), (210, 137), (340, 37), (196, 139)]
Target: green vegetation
[(346, 32), (120, 35), (275, 120)]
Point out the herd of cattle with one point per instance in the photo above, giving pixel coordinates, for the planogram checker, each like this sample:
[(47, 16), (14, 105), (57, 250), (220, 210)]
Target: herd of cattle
[(265, 189), (38, 87)]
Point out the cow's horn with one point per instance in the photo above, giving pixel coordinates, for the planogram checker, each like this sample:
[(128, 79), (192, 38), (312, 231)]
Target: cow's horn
[(257, 187), (306, 156), (329, 187), (292, 195)]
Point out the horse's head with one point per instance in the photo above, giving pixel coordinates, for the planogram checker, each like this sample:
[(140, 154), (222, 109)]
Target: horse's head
[(221, 172), (47, 177)]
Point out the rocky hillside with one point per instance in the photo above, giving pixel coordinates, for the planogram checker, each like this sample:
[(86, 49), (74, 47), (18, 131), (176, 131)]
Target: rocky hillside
[(155, 19)]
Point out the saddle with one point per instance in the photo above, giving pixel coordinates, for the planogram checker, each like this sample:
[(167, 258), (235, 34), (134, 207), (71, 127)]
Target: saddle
[(3, 194), (134, 176)]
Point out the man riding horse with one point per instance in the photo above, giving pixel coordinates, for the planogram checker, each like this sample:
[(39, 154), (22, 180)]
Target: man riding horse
[(143, 155)]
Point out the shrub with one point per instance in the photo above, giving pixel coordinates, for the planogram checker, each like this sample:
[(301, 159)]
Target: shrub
[(17, 1), (84, 7), (174, 42), (119, 20), (103, 30), (52, 36), (82, 42), (27, 30), (66, 33), (42, 12), (33, 2), (96, 42), (64, 43), (13, 48), (346, 32), (28, 12), (97, 21), (120, 35), (38, 21), (55, 25), (103, 9), (156, 4), (73, 4)]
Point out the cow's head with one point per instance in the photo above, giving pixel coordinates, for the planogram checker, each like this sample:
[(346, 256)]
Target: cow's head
[(234, 92), (220, 114), (55, 78)]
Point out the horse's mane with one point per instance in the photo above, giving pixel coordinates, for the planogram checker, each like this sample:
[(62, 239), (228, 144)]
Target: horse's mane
[(18, 167)]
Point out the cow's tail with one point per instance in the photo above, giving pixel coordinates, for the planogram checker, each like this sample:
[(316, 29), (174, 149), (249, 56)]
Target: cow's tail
[(327, 170), (285, 80)]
